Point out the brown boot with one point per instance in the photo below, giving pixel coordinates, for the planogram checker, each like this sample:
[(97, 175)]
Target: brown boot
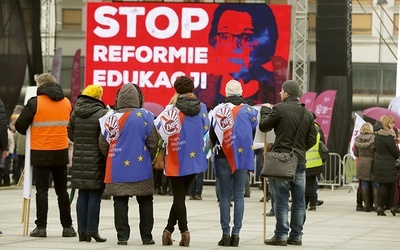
[(166, 238), (185, 240)]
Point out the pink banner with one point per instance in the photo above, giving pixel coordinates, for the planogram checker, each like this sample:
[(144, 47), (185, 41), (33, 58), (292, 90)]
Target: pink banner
[(56, 66), (323, 109), (309, 99), (76, 77)]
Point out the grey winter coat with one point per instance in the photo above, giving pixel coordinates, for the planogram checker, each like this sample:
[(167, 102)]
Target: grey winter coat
[(364, 149), (88, 163), (384, 169), (128, 100)]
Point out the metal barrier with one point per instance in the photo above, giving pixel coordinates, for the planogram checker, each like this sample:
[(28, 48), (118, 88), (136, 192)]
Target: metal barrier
[(332, 172), (349, 175)]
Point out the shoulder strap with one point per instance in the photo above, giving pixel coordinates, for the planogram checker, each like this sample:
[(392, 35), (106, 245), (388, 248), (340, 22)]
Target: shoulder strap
[(297, 132)]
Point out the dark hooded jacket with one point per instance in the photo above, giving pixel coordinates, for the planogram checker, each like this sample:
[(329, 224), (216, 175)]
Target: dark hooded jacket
[(25, 119), (284, 118), (384, 169), (128, 100), (364, 149), (3, 128), (88, 163)]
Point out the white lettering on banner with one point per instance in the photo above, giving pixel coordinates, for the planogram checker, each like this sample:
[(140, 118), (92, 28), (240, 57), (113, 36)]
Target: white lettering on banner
[(110, 27), (114, 78), (145, 54)]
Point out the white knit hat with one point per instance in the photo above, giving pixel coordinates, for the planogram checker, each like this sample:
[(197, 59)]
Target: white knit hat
[(233, 87)]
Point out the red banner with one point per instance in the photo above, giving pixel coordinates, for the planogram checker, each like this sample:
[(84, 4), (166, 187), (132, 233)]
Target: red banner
[(323, 109), (151, 44), (76, 77), (308, 99)]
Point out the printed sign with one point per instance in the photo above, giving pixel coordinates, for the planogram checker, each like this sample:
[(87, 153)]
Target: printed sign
[(151, 44)]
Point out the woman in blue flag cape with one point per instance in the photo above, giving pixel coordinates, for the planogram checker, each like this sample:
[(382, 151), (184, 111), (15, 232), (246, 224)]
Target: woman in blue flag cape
[(182, 126)]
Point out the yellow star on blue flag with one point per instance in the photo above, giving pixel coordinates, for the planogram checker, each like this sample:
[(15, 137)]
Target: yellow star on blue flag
[(127, 163), (192, 154), (139, 114), (140, 158), (240, 150)]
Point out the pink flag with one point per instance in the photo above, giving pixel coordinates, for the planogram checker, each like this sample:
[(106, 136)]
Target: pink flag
[(323, 109), (56, 66), (76, 77), (308, 99)]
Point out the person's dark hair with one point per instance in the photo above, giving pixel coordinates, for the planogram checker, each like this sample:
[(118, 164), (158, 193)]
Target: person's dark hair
[(265, 30)]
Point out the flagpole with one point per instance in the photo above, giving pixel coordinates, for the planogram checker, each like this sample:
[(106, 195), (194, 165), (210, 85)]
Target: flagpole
[(27, 188)]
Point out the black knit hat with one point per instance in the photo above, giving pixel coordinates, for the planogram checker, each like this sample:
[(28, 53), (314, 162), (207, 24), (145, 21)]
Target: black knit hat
[(291, 87), (183, 85)]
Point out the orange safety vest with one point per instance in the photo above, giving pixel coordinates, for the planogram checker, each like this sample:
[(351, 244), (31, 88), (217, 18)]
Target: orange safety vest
[(49, 126)]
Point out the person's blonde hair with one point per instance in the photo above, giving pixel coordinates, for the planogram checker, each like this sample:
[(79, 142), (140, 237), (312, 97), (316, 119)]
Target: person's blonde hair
[(45, 78), (367, 128), (386, 120), (176, 96)]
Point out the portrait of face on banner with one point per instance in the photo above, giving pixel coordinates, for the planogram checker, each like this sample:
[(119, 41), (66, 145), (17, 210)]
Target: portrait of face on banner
[(151, 44)]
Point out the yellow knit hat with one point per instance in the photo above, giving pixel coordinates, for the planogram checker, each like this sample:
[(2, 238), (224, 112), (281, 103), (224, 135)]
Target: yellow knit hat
[(94, 91)]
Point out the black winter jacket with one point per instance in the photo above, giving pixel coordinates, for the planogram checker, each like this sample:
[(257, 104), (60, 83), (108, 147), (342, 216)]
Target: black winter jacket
[(386, 153), (88, 163), (284, 118), (25, 119)]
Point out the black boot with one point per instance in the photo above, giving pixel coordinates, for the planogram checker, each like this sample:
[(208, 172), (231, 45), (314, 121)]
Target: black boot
[(234, 240), (225, 240), (82, 236), (375, 198), (365, 197), (95, 236), (380, 211)]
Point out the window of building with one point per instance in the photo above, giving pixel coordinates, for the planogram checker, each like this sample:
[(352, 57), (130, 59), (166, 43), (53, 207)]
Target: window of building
[(72, 19), (361, 24), (396, 24), (312, 17), (367, 80)]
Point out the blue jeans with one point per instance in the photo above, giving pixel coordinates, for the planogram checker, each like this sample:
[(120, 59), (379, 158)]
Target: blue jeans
[(196, 187), (88, 210), (281, 189), (224, 177)]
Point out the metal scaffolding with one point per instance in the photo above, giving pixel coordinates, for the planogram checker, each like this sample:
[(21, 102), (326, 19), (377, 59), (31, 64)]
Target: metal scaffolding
[(300, 45)]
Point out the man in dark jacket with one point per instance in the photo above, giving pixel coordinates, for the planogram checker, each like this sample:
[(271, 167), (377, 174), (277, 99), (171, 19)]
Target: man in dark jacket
[(284, 118), (3, 129), (48, 114)]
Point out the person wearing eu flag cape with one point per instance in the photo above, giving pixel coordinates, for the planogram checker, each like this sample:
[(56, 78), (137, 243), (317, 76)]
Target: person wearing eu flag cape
[(182, 126), (232, 132)]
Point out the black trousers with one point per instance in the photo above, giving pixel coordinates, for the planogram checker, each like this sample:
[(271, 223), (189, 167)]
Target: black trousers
[(121, 220), (311, 192), (177, 213), (59, 174)]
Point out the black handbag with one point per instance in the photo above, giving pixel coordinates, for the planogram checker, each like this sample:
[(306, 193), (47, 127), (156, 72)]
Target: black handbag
[(282, 165)]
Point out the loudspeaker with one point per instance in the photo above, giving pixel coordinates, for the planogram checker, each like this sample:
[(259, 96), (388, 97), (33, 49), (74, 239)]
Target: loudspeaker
[(333, 37)]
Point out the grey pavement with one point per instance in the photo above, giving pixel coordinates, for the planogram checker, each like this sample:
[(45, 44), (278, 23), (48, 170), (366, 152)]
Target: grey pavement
[(335, 224)]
